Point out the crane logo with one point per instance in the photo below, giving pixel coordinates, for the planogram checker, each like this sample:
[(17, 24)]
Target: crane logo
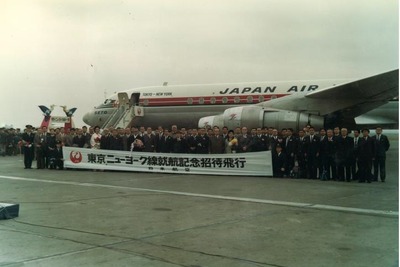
[(75, 156)]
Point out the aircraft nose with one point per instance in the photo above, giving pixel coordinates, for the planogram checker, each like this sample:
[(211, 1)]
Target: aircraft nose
[(86, 118)]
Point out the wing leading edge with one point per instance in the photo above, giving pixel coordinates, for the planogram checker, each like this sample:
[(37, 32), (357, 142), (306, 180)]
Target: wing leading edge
[(349, 99)]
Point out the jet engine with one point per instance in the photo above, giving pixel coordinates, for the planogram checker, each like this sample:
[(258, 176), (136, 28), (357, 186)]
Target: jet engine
[(256, 116)]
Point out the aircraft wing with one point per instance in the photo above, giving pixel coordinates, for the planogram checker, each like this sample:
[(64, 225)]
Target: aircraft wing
[(349, 99)]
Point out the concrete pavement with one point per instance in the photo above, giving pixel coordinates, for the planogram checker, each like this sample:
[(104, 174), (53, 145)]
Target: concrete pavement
[(86, 218)]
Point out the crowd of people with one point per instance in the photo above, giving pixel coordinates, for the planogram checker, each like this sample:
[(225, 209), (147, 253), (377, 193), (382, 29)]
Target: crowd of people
[(9, 139), (326, 154)]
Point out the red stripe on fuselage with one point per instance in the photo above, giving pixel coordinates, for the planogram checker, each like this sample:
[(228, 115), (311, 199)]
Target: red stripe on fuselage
[(207, 100)]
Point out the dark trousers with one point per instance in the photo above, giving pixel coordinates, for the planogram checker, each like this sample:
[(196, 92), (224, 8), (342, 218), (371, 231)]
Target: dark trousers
[(331, 168), (322, 167), (365, 170), (59, 164), (343, 170), (312, 162), (28, 157), (302, 166), (290, 165), (41, 159), (354, 166), (380, 167)]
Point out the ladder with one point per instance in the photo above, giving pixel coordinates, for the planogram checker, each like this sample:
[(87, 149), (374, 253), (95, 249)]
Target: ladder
[(124, 114)]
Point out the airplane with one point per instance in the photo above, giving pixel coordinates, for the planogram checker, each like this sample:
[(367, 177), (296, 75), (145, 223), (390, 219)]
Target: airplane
[(281, 104)]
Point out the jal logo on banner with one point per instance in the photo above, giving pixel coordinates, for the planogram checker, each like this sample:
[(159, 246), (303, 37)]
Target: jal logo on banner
[(75, 156)]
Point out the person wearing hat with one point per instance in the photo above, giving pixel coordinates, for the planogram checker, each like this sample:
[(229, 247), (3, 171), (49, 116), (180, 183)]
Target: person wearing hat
[(28, 147)]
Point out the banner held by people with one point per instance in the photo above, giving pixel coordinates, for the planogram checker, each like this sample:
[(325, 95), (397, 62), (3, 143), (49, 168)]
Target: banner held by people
[(243, 164)]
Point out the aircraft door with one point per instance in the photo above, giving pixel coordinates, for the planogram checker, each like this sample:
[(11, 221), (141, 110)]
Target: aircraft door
[(123, 99), (134, 100)]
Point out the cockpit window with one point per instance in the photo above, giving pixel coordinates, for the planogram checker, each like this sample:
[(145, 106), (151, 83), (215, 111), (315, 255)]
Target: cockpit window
[(108, 103)]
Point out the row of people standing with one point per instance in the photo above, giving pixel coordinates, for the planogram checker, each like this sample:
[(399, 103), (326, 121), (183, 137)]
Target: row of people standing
[(9, 140), (195, 141), (333, 154), (330, 154), (44, 146), (163, 141)]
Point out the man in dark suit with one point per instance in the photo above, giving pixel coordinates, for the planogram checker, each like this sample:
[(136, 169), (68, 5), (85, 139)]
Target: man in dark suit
[(28, 146), (225, 132), (58, 156), (290, 144), (301, 154), (245, 141), (135, 141), (87, 137), (312, 153), (79, 139), (149, 140), (202, 142), (279, 163), (180, 144), (260, 141), (365, 155), (40, 149), (105, 139), (191, 140), (331, 153), (344, 148), (381, 146), (166, 142), (159, 136), (217, 142), (354, 155), (115, 141), (323, 155)]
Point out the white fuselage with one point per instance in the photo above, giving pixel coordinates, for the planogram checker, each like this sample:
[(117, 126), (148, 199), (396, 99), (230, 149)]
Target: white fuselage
[(184, 105)]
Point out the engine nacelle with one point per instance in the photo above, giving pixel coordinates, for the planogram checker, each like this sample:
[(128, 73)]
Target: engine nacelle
[(256, 116), (249, 116), (291, 119), (211, 121)]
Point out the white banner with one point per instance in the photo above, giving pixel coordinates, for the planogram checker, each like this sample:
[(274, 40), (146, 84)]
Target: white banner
[(60, 119), (244, 164)]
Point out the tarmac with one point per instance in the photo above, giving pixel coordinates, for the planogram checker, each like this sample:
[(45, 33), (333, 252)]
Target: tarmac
[(86, 218)]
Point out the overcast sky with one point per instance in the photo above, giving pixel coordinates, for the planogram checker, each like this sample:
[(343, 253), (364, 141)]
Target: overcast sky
[(72, 52)]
